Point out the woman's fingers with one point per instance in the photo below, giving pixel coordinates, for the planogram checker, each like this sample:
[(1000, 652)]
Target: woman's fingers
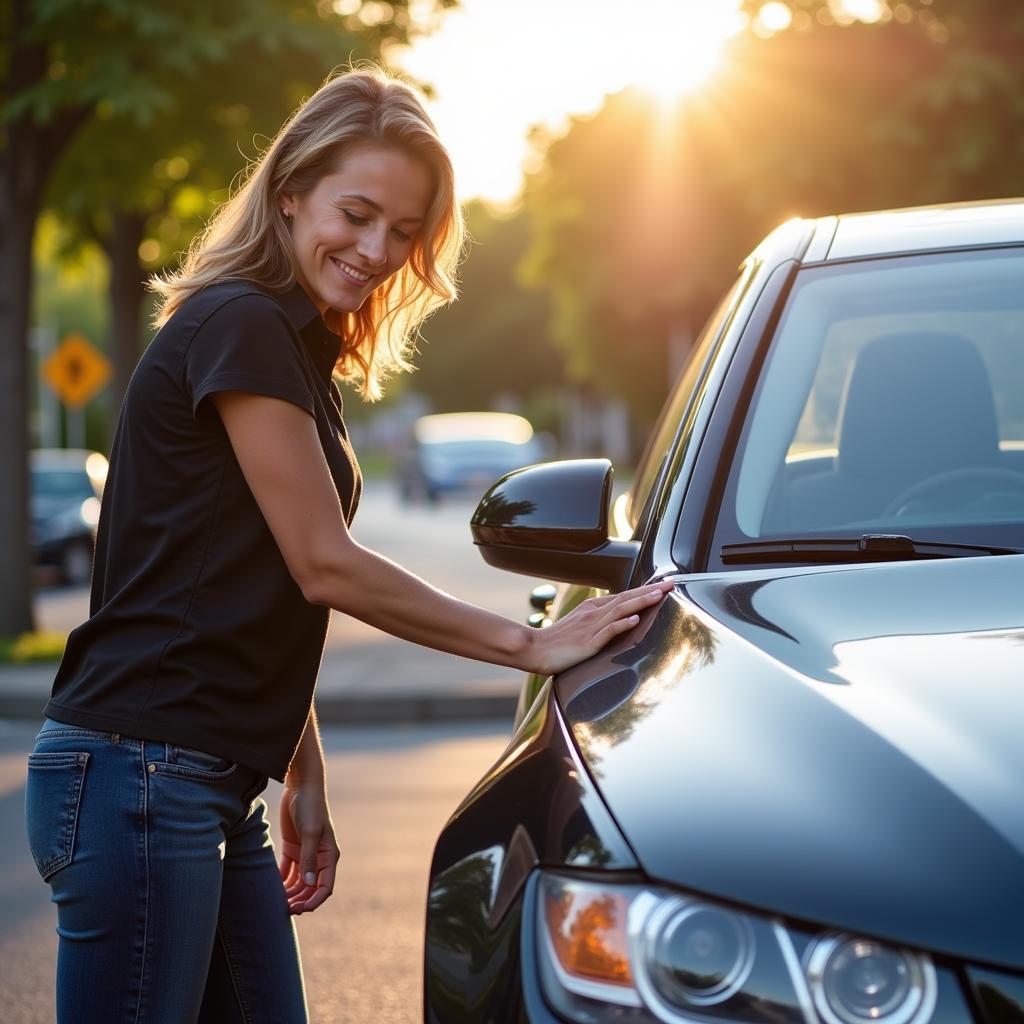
[(625, 615), (632, 602), (323, 889), (305, 897), (613, 629), (632, 605), (311, 883)]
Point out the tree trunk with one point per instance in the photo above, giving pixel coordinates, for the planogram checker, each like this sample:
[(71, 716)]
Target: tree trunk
[(30, 152), (127, 291), (18, 215)]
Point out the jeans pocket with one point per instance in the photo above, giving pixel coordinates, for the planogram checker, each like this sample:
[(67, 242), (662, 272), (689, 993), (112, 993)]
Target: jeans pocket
[(53, 793), (195, 763)]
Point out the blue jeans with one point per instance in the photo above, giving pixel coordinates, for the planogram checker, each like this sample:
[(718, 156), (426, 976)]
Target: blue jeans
[(170, 907)]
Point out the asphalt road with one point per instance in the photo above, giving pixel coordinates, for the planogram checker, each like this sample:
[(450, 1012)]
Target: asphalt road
[(433, 541), (391, 791)]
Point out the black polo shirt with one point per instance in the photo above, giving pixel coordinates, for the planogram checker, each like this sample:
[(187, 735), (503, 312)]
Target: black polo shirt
[(197, 634)]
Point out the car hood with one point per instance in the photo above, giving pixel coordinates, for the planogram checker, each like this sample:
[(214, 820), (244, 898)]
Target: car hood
[(43, 507), (842, 746)]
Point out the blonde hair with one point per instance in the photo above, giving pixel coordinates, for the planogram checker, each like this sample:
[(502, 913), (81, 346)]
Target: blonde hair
[(248, 238)]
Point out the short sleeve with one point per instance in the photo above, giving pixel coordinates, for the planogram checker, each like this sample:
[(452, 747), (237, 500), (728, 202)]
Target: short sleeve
[(247, 344)]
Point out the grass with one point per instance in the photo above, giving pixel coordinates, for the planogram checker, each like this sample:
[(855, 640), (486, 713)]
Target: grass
[(376, 465), (42, 645)]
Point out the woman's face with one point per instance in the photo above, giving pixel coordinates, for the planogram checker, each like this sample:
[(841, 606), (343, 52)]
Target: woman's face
[(357, 225)]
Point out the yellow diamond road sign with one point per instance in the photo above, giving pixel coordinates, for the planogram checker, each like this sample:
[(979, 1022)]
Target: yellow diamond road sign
[(76, 370)]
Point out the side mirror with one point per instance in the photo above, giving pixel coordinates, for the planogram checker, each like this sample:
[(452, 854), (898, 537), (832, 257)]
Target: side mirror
[(551, 521)]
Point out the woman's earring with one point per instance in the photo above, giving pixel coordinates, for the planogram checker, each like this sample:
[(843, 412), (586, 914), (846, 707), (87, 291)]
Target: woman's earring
[(285, 214)]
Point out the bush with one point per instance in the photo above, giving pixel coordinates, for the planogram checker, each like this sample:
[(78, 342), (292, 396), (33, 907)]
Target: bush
[(38, 646)]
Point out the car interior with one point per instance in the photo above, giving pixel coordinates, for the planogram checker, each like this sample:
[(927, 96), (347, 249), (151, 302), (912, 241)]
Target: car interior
[(892, 398)]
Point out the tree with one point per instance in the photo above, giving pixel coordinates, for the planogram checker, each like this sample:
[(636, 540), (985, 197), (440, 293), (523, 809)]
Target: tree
[(142, 193), (631, 240), (494, 341), (66, 68), (642, 211), (923, 105)]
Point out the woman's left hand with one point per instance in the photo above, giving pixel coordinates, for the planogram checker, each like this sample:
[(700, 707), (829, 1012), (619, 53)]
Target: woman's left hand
[(309, 860)]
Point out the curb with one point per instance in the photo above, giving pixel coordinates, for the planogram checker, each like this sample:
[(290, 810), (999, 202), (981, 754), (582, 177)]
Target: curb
[(399, 710), (420, 708), (21, 706)]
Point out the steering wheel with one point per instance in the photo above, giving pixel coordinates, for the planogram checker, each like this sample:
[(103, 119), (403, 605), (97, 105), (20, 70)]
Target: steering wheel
[(923, 488)]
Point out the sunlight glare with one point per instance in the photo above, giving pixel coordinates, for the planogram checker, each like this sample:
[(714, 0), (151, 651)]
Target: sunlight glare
[(672, 47), (868, 11), (774, 17), (499, 67)]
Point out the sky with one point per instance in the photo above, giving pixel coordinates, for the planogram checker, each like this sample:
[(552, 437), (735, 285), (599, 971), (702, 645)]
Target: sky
[(500, 66)]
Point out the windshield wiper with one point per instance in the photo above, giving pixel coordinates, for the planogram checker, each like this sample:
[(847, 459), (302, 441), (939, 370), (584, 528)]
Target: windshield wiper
[(870, 547)]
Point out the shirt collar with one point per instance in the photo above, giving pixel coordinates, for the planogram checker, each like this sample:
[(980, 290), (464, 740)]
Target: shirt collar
[(298, 306), (322, 343)]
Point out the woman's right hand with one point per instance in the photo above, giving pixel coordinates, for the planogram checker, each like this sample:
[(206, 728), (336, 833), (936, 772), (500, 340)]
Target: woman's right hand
[(590, 626)]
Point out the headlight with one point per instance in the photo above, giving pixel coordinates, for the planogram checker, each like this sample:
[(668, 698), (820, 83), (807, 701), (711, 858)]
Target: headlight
[(89, 512), (858, 981), (695, 954), (70, 522), (631, 953)]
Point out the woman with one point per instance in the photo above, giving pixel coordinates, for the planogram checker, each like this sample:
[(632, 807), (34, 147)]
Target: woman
[(223, 544)]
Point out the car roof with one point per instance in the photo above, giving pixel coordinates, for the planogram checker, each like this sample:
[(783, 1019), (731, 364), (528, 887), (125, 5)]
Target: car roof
[(60, 458), (440, 428), (50, 460), (916, 229)]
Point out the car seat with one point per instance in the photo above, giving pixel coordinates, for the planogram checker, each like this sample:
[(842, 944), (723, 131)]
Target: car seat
[(914, 404)]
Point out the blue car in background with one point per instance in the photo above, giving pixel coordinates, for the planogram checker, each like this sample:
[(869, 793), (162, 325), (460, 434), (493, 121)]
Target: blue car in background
[(66, 485), (464, 452)]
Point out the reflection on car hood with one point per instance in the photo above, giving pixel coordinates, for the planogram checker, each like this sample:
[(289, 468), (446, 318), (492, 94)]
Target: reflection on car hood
[(841, 746)]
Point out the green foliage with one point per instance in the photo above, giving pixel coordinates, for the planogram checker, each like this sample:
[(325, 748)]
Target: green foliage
[(494, 340), (70, 282), (27, 647), (628, 242), (642, 211), (225, 84)]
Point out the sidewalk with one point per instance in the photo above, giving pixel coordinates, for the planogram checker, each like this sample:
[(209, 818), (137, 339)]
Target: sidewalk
[(396, 682), (366, 675)]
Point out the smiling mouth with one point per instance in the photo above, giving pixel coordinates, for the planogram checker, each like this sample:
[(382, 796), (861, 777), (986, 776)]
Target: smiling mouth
[(346, 270)]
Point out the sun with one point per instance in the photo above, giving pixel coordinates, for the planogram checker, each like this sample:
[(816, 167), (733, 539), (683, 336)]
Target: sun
[(677, 45), (499, 67), (670, 80)]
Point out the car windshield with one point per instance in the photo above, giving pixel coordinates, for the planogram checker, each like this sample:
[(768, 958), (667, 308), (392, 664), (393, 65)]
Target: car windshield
[(892, 401), (475, 450), (61, 483)]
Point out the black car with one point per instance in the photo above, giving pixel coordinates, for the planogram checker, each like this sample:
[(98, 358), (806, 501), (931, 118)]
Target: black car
[(793, 794), (66, 485)]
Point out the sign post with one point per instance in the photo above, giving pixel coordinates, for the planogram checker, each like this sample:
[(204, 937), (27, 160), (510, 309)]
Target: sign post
[(76, 371)]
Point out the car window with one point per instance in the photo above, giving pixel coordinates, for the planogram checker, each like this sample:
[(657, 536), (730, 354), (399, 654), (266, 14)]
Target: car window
[(662, 438), (892, 401), (61, 483)]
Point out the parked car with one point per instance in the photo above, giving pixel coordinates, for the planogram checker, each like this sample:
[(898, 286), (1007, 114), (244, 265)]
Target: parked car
[(792, 795), (464, 452), (66, 486)]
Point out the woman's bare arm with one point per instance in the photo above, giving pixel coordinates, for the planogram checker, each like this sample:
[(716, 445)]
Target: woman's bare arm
[(279, 452)]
